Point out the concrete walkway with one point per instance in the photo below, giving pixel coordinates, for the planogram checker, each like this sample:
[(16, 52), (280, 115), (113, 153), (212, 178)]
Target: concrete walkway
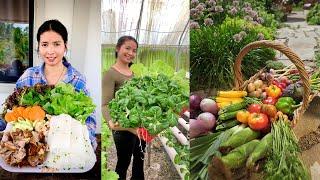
[(300, 37)]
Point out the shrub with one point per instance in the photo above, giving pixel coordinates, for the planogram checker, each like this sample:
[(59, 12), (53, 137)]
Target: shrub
[(213, 51), (313, 17)]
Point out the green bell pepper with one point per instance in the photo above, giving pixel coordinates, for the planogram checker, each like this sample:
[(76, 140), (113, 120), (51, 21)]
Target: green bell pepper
[(286, 105)]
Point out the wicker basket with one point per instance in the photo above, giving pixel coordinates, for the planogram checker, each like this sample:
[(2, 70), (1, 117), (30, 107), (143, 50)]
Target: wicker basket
[(294, 58)]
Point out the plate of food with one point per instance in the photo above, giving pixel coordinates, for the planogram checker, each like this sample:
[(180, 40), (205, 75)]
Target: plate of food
[(35, 141)]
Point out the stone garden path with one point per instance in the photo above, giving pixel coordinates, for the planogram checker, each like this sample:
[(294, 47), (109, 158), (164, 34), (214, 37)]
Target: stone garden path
[(302, 38)]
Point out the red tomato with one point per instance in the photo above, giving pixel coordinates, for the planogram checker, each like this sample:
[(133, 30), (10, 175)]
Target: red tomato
[(254, 108), (258, 121)]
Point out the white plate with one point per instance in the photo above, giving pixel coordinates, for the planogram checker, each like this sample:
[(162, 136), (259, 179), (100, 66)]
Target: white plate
[(41, 168)]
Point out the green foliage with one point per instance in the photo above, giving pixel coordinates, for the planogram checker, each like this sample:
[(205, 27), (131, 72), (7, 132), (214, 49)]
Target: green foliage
[(160, 67), (176, 57), (105, 144), (213, 51), (14, 43), (183, 151), (313, 17)]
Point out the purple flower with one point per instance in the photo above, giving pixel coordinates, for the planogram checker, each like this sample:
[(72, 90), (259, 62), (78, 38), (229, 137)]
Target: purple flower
[(193, 11), (248, 18), (235, 3), (253, 14), (260, 20), (255, 23), (211, 2), (233, 11), (237, 37), (208, 21), (200, 7), (260, 36), (243, 34), (211, 9), (194, 3), (247, 9), (194, 25), (218, 9)]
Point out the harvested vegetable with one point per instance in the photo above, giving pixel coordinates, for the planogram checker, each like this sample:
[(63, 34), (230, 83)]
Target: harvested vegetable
[(228, 115), (149, 102), (10, 116), (219, 168), (254, 108), (295, 91), (283, 162), (232, 107), (203, 148), (242, 116), (237, 157), (232, 94), (286, 105), (238, 139), (204, 123), (261, 151), (209, 105), (270, 100), (258, 121), (269, 110), (36, 113), (195, 101), (273, 91), (227, 125), (223, 99)]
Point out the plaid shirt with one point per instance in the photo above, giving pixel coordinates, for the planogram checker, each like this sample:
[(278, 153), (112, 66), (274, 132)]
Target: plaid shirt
[(34, 75)]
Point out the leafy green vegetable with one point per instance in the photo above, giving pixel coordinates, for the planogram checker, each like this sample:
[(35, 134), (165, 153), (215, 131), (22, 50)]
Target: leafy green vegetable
[(150, 102), (284, 162), (62, 99)]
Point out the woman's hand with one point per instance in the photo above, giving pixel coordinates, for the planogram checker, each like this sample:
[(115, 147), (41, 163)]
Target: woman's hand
[(113, 126), (116, 127), (133, 131)]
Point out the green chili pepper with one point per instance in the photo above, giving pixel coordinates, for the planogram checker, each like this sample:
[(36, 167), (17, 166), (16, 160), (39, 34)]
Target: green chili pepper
[(286, 105)]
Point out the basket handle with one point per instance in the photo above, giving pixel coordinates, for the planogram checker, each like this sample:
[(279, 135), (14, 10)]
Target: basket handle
[(294, 58)]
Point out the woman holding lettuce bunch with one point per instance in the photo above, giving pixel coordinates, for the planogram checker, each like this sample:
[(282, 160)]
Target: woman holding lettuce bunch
[(52, 37), (126, 140)]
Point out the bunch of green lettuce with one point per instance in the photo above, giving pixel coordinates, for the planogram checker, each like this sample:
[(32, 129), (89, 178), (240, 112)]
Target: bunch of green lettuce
[(62, 99), (151, 102), (38, 94)]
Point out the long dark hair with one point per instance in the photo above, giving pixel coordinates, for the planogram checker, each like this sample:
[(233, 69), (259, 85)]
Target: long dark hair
[(121, 41), (56, 26)]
